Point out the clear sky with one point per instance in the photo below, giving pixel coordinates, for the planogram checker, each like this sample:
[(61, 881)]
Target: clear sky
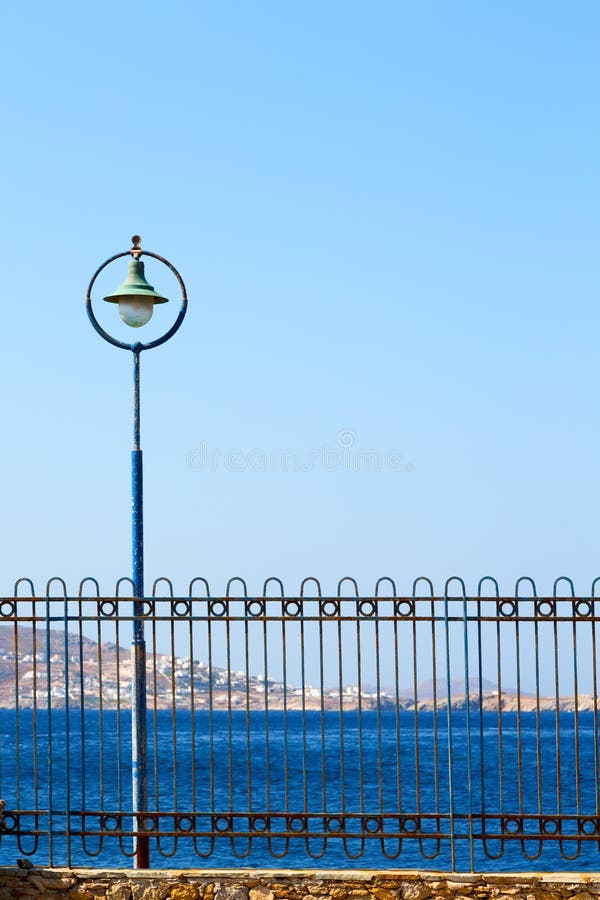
[(387, 218)]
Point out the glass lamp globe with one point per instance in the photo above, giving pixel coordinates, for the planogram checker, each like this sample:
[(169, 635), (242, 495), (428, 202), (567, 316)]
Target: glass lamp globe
[(136, 311)]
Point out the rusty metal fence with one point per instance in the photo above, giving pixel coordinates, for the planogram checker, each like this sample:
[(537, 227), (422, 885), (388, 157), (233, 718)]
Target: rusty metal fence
[(454, 730)]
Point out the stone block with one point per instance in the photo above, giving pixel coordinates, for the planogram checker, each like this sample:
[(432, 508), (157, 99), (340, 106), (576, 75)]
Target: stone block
[(261, 893), (118, 892), (185, 892), (286, 891), (416, 890), (381, 893), (153, 891), (227, 892), (50, 881)]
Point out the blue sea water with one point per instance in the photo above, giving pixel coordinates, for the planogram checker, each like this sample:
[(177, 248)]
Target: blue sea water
[(226, 763)]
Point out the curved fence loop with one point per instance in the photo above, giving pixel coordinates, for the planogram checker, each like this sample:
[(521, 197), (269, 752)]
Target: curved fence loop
[(463, 589), (348, 849), (93, 581), (427, 581), (21, 581), (352, 581), (570, 857), (241, 854), (63, 585), (162, 580), (228, 589), (535, 854), (276, 581), (204, 852), (481, 583), (569, 582), (279, 847), (423, 850), (490, 853), (525, 579), (125, 580), (391, 854), (317, 583), (191, 588), (390, 581)]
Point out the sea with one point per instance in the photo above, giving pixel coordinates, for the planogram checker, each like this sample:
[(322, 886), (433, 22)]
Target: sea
[(220, 768)]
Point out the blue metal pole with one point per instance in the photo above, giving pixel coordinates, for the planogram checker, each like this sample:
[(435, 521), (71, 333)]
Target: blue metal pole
[(139, 738)]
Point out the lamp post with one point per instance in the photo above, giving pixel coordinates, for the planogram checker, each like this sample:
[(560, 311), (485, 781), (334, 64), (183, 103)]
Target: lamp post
[(136, 300)]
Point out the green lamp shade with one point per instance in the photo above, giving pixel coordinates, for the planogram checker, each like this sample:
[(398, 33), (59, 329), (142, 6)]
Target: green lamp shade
[(136, 298)]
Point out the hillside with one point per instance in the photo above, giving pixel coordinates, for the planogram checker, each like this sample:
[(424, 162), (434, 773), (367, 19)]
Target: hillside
[(100, 675)]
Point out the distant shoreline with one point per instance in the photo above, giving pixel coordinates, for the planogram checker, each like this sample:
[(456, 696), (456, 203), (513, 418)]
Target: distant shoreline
[(238, 705)]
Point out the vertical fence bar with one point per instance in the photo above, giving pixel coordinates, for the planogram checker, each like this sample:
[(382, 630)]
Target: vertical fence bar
[(380, 771), (153, 742), (192, 667), (559, 789), (538, 717), (230, 774), (428, 606), (67, 650), (450, 744), (50, 747), (81, 692), (468, 727), (101, 715), (284, 661), (577, 747), (120, 767), (595, 702), (499, 612), (519, 711), (301, 610), (36, 761), (17, 719), (174, 742), (498, 798), (415, 688), (211, 724), (268, 767), (566, 800), (323, 750), (247, 718), (398, 731), (480, 713)]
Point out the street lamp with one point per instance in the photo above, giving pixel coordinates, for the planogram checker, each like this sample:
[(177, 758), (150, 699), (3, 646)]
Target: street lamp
[(136, 299)]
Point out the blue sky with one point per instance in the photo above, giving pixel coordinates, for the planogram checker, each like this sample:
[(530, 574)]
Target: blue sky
[(386, 216)]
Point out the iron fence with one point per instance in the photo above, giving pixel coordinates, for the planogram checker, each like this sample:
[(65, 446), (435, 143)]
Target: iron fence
[(455, 730)]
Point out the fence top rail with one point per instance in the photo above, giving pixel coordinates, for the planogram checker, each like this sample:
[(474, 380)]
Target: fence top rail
[(51, 607), (347, 588)]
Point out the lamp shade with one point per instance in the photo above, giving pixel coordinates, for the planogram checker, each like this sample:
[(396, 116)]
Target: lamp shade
[(136, 298)]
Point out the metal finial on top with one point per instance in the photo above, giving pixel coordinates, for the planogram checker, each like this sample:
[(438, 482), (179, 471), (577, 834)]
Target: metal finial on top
[(136, 250)]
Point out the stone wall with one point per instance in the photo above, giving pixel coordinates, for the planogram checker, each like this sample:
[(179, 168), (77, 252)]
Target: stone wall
[(261, 884)]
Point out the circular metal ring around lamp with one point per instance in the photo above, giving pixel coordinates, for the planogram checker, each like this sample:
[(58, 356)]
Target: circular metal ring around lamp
[(137, 346)]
